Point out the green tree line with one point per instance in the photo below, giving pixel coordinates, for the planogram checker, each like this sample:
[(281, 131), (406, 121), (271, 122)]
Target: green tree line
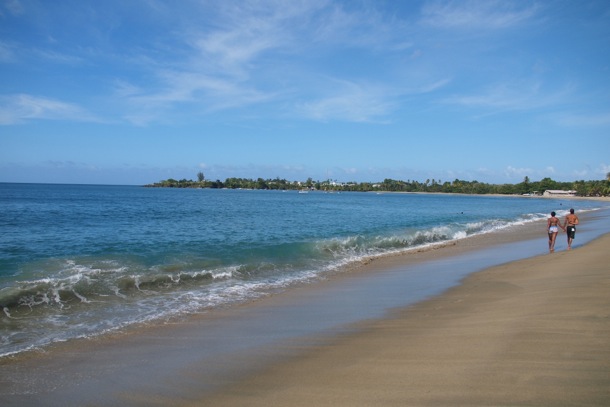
[(582, 188)]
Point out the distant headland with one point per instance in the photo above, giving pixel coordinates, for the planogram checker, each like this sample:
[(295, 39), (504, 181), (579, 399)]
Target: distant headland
[(595, 188)]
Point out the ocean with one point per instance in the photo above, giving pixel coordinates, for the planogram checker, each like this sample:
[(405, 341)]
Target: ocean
[(84, 260)]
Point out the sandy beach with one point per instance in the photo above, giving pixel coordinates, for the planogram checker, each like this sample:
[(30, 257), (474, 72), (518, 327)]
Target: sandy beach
[(527, 332), (531, 332)]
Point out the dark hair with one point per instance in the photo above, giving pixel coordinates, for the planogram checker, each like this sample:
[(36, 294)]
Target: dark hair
[(552, 213), (571, 210)]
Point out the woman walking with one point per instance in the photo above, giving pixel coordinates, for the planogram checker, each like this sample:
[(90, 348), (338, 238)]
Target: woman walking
[(553, 226)]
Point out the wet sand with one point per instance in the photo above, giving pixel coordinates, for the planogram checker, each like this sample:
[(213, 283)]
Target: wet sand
[(529, 332)]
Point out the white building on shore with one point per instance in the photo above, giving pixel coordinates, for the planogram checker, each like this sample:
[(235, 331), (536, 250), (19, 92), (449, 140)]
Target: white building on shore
[(558, 192)]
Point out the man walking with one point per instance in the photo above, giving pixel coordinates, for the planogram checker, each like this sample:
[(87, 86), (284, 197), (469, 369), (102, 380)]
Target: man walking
[(570, 227)]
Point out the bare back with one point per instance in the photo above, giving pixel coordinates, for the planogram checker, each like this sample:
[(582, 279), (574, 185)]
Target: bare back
[(571, 220)]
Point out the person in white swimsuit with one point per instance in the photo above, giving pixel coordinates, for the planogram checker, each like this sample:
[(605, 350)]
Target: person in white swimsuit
[(553, 224)]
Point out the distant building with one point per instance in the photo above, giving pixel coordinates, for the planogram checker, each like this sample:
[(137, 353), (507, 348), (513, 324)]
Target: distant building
[(558, 192)]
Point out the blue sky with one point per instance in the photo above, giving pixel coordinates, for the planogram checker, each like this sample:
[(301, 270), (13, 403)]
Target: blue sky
[(132, 92)]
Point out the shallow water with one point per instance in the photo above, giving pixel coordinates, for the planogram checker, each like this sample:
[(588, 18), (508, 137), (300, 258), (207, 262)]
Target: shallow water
[(81, 260), (199, 355)]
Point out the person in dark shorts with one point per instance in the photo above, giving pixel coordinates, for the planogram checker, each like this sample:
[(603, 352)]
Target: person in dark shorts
[(569, 226)]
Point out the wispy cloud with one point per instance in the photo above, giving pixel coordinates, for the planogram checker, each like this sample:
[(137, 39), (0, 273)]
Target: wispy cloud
[(350, 101), (7, 53), (12, 6), (223, 65), (600, 172), (227, 55), (15, 109), (517, 96), (572, 119), (272, 53), (517, 174), (490, 14), (263, 52)]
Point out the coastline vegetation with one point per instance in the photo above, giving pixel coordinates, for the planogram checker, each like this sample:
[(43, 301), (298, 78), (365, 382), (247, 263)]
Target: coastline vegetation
[(527, 187)]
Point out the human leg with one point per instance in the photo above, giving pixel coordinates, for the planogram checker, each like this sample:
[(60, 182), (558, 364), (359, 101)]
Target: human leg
[(552, 238), (571, 232)]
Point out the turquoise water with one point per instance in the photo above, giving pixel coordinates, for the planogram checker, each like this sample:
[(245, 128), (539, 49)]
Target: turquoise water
[(80, 260)]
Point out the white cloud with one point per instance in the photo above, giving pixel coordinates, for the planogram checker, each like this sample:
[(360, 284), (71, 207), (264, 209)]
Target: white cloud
[(351, 102), (265, 51), (601, 119), (204, 93), (7, 53), (16, 109), (13, 6), (471, 14), (517, 96), (219, 70), (512, 172), (598, 173), (431, 87)]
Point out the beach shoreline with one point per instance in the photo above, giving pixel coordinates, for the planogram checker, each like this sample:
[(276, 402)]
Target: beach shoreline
[(125, 372), (530, 332)]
